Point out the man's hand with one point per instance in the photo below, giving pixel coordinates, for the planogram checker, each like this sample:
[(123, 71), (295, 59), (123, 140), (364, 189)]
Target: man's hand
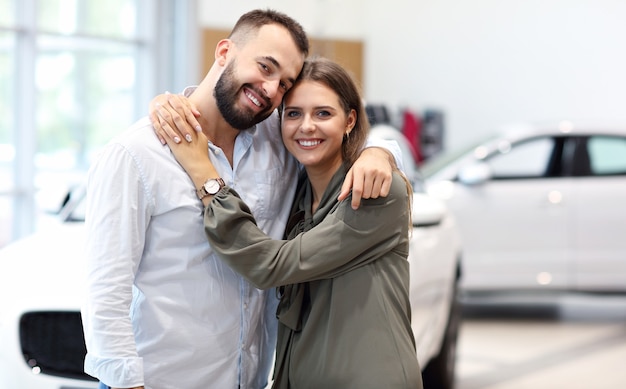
[(173, 117), (369, 177)]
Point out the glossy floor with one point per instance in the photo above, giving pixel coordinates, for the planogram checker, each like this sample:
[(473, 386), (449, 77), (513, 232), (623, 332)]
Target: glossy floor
[(577, 342)]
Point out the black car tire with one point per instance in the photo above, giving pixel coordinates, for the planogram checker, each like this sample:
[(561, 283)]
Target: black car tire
[(439, 373)]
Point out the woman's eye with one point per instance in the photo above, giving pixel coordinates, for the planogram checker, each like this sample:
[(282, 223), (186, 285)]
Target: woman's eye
[(292, 114), (323, 113)]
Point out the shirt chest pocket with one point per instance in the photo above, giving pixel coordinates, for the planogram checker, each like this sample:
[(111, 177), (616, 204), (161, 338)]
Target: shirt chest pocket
[(270, 193)]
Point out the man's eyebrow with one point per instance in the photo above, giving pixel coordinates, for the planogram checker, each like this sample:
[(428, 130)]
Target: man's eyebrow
[(277, 65)]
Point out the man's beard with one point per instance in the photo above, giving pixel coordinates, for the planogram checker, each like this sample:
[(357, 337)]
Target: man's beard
[(226, 94)]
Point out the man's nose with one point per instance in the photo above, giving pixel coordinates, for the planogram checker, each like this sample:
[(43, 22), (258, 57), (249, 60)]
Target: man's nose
[(270, 88)]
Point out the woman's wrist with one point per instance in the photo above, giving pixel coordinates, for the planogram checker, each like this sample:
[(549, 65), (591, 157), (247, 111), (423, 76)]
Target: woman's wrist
[(201, 172)]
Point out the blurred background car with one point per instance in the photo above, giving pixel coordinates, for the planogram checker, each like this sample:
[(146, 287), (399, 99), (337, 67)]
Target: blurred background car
[(539, 209), (41, 293), (41, 289), (435, 256)]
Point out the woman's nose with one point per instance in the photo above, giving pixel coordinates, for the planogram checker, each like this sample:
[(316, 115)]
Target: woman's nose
[(307, 124)]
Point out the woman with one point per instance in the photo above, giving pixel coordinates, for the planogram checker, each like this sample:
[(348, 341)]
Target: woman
[(341, 274)]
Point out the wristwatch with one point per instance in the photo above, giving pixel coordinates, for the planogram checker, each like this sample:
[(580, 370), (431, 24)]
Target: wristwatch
[(210, 187)]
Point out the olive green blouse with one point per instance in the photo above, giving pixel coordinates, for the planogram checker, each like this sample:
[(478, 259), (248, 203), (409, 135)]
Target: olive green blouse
[(343, 279)]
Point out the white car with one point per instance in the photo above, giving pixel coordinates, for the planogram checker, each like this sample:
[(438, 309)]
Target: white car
[(435, 256), (539, 208), (41, 294)]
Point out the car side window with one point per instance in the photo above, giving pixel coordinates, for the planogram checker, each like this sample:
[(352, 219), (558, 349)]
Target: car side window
[(528, 159), (607, 155)]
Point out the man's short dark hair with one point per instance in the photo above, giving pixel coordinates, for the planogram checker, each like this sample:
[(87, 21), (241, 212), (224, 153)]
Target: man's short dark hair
[(253, 20)]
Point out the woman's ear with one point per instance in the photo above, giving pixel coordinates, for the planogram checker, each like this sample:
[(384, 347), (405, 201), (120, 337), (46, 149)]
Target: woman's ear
[(351, 121), (221, 51)]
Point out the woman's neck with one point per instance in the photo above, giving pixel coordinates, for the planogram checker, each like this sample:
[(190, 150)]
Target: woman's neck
[(319, 179)]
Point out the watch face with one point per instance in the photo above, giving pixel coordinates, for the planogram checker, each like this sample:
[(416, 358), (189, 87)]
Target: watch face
[(212, 186)]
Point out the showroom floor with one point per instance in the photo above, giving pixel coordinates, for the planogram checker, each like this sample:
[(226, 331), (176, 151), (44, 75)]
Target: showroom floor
[(578, 343)]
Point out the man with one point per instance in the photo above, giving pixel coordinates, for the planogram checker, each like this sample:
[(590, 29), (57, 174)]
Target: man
[(162, 310)]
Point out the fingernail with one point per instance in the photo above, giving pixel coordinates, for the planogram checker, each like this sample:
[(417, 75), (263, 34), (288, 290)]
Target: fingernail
[(176, 139), (188, 137), (198, 128)]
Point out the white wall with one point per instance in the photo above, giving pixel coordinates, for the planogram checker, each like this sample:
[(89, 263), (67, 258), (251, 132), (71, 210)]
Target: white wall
[(484, 62), (320, 18)]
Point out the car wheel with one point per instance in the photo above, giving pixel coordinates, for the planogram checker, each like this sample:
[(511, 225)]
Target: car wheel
[(439, 372)]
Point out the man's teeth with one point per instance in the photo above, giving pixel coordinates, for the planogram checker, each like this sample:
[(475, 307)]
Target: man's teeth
[(254, 99), (309, 143)]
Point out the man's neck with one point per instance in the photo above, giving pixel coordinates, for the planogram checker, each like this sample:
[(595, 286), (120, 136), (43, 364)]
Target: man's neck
[(220, 134), (216, 129)]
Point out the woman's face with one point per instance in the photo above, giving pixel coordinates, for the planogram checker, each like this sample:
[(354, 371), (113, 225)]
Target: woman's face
[(314, 124)]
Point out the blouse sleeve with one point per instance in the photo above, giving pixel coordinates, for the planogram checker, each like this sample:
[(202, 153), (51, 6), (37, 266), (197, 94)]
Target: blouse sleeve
[(344, 240)]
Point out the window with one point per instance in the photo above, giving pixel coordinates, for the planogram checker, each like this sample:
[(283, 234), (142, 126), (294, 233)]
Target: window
[(73, 73), (528, 159), (607, 155)]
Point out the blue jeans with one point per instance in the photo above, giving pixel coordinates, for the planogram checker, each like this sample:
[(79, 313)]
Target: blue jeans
[(103, 386)]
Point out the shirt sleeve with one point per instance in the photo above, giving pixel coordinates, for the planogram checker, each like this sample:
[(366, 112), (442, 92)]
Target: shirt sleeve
[(344, 240), (189, 90), (116, 220), (391, 146)]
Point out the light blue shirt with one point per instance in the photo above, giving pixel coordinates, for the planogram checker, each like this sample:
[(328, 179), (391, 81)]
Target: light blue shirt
[(162, 310)]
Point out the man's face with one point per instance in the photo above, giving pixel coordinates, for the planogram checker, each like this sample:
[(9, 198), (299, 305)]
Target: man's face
[(257, 76), (227, 91)]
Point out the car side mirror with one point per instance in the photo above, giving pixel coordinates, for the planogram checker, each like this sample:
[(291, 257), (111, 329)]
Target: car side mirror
[(426, 210), (475, 174)]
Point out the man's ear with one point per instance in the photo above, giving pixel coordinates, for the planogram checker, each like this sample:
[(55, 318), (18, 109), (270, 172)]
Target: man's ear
[(221, 51)]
